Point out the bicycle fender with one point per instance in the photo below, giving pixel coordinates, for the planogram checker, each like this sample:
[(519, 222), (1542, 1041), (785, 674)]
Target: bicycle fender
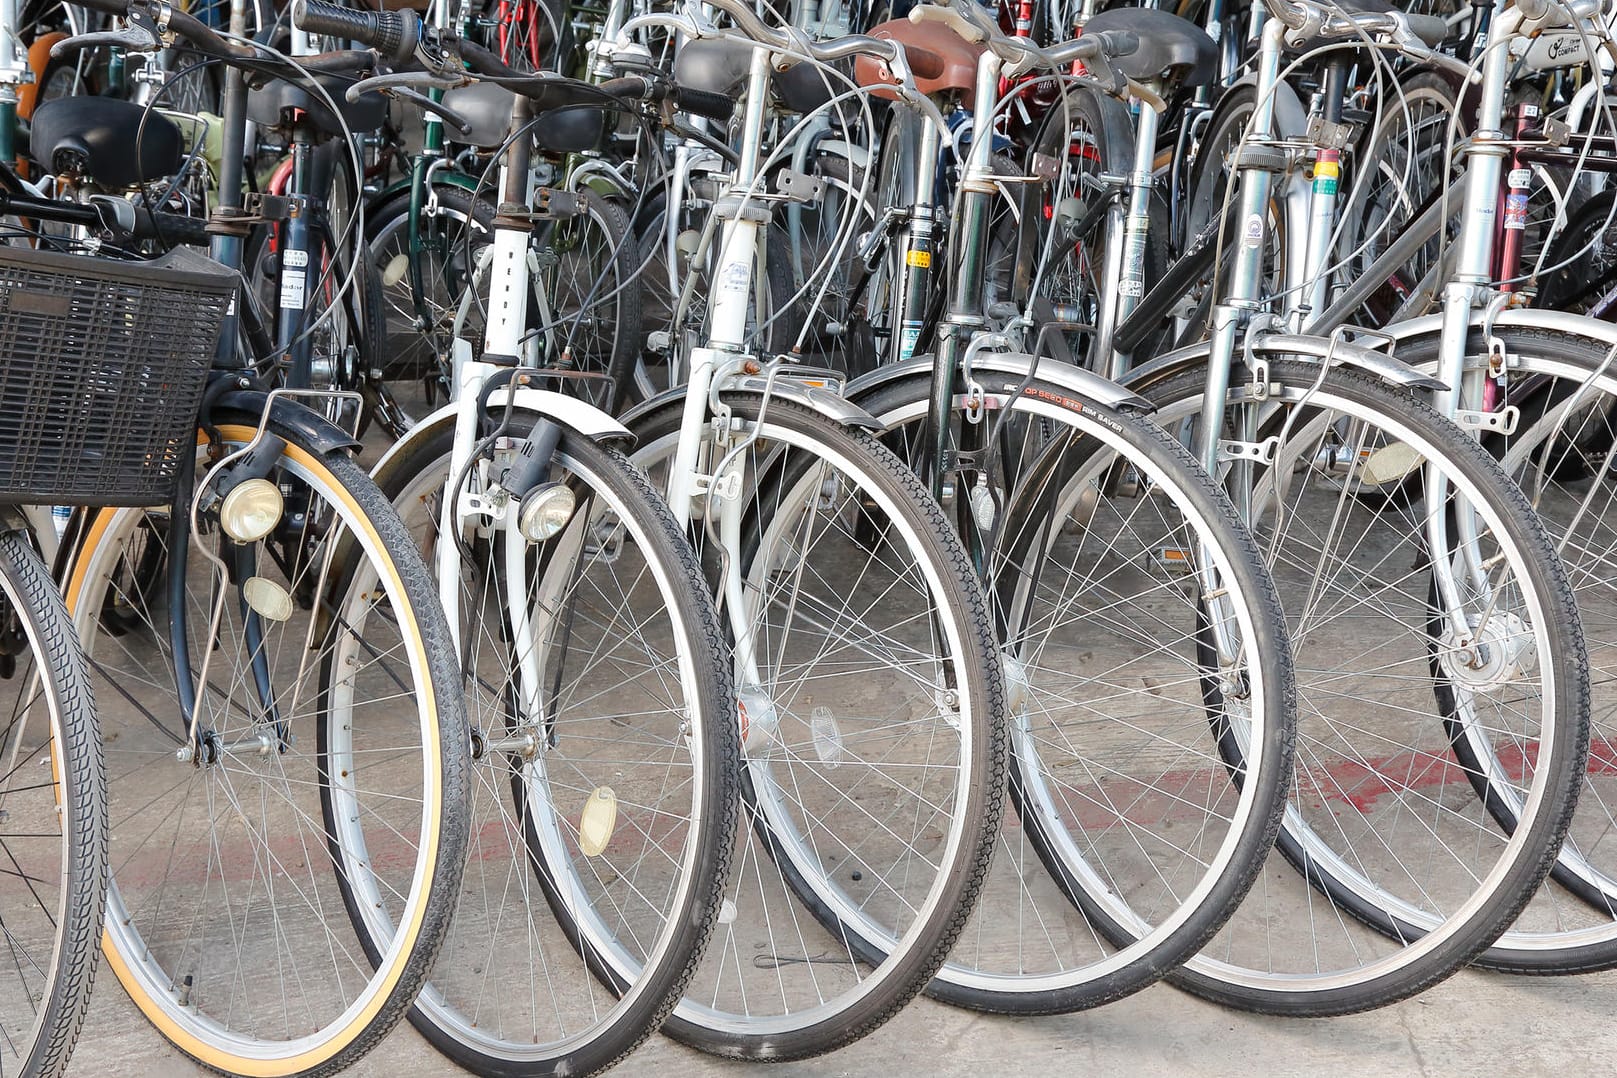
[(570, 412), (1575, 325), (1385, 367), (446, 177), (1083, 383), (833, 406), (1291, 119), (324, 435)]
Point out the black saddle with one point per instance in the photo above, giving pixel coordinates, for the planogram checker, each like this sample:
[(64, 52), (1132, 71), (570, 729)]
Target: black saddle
[(265, 106), (720, 65), (1171, 48), (487, 107), (113, 143)]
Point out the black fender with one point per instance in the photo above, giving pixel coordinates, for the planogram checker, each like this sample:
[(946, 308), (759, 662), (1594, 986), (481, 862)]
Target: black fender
[(321, 433)]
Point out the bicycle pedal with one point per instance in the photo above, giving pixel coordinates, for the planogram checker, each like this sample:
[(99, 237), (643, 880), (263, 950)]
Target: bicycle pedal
[(1176, 561)]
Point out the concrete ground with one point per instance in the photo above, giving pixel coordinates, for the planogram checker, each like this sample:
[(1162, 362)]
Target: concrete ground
[(1474, 1024)]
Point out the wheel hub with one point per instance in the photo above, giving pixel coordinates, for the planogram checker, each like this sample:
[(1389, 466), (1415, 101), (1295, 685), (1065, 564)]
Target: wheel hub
[(1498, 653)]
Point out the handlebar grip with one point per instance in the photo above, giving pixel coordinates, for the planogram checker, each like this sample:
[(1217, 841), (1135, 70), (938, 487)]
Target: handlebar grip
[(949, 17), (700, 102), (923, 63), (714, 106), (339, 62), (394, 34), (173, 229), (1116, 43)]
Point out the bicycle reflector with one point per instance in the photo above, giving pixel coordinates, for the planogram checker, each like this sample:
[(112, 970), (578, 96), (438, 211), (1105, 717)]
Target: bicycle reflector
[(545, 511), (251, 510)]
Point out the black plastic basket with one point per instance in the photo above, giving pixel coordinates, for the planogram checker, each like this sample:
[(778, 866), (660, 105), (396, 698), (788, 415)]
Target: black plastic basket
[(102, 368)]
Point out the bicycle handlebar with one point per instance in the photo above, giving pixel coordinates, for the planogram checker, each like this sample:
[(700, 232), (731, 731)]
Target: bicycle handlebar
[(921, 62), (1416, 36)]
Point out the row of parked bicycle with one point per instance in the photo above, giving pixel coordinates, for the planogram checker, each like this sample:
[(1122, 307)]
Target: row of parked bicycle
[(720, 519)]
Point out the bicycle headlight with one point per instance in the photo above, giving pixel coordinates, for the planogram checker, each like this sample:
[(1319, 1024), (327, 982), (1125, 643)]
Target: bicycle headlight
[(251, 510), (545, 512)]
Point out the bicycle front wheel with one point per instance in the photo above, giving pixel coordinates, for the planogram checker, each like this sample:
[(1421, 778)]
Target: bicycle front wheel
[(1396, 639), (873, 735), (605, 752), (53, 829), (1137, 622), (288, 737)]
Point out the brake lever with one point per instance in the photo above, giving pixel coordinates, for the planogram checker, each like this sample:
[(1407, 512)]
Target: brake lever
[(132, 38), (1413, 47), (403, 80), (436, 108)]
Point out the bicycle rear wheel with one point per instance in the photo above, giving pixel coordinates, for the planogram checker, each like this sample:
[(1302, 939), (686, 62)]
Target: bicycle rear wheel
[(1411, 876), (53, 829), (329, 760)]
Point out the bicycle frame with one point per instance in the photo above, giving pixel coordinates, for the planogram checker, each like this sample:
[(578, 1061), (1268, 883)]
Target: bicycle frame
[(478, 503), (1455, 550), (722, 356)]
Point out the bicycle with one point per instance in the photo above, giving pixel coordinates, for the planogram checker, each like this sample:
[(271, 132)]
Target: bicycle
[(1346, 478), (598, 688), (898, 691), (1113, 561), (274, 644)]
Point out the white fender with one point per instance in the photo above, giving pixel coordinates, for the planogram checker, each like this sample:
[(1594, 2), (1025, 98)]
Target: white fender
[(570, 412)]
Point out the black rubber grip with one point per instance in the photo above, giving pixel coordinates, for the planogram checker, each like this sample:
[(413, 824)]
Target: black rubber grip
[(628, 88), (704, 103), (111, 7), (1115, 43), (338, 62), (394, 34), (174, 229)]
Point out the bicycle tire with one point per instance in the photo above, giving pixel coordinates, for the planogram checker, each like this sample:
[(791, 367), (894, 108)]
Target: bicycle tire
[(56, 840), (1361, 780), (822, 995), (408, 832), (642, 958)]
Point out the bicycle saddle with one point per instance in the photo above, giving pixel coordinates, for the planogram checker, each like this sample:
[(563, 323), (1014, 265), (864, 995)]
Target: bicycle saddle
[(570, 128), (265, 106), (114, 143), (959, 57), (487, 107), (1171, 48), (719, 66)]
